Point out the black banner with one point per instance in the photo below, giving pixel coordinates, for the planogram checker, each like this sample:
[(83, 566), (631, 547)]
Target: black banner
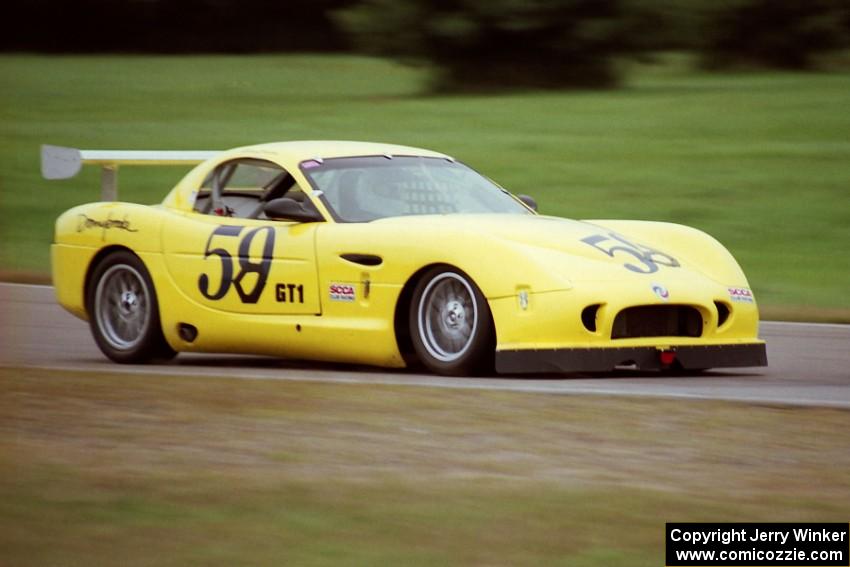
[(757, 544)]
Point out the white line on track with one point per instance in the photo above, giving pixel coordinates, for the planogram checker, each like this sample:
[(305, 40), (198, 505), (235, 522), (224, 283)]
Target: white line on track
[(809, 362)]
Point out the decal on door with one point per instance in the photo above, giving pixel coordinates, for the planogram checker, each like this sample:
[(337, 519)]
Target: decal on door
[(246, 265), (289, 293), (342, 292)]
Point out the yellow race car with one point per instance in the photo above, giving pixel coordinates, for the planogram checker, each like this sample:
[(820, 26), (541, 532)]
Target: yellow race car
[(390, 256)]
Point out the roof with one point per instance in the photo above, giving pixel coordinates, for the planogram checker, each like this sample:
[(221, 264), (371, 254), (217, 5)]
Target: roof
[(297, 151), (60, 162)]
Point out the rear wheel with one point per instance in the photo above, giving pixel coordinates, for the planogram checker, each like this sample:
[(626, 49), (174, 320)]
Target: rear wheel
[(123, 311), (450, 324)]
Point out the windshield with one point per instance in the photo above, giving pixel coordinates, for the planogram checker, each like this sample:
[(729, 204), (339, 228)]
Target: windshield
[(362, 189)]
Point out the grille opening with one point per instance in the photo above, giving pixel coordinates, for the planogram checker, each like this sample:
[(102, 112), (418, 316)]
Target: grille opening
[(657, 321), (722, 312), (588, 317)]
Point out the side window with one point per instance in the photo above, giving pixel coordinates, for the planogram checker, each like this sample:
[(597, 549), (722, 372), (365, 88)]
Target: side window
[(252, 177), (240, 188)]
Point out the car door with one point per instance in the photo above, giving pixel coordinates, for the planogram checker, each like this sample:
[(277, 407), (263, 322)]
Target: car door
[(225, 261)]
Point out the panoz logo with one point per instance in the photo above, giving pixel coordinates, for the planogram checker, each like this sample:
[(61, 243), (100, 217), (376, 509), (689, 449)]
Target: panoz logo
[(741, 294), (661, 292), (342, 292)]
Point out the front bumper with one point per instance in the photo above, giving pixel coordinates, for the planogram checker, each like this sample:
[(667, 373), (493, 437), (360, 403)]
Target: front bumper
[(605, 359)]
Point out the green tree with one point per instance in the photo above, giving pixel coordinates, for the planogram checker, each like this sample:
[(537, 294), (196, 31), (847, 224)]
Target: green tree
[(774, 33), (497, 44)]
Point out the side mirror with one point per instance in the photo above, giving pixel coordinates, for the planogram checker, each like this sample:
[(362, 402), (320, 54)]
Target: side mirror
[(529, 202), (290, 209)]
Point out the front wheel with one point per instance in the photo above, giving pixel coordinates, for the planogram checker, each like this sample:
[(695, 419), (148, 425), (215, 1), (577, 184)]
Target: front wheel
[(123, 311), (450, 324)]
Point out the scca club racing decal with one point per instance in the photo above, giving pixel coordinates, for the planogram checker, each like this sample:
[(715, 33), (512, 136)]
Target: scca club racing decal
[(342, 292), (741, 295), (644, 260)]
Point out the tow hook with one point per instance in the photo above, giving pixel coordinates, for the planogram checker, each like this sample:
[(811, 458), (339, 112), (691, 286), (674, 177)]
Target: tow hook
[(666, 356)]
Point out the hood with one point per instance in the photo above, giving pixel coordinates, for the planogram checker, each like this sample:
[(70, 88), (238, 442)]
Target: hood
[(595, 243), (598, 250)]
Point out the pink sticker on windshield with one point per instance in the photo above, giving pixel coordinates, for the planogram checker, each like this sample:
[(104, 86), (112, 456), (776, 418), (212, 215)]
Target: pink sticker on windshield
[(309, 164)]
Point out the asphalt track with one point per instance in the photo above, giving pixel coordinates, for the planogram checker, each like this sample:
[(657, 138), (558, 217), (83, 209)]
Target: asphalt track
[(809, 363)]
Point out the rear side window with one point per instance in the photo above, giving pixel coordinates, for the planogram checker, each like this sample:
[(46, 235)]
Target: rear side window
[(245, 185), (249, 176)]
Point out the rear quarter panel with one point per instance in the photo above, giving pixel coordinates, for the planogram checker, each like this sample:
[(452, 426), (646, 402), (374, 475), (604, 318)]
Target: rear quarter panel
[(84, 231)]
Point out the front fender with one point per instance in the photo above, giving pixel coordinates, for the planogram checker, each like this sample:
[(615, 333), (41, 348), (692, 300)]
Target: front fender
[(498, 266)]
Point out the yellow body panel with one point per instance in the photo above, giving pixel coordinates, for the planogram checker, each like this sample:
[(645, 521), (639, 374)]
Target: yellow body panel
[(314, 304)]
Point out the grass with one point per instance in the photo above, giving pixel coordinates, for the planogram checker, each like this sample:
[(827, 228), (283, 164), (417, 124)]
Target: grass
[(198, 471), (759, 160)]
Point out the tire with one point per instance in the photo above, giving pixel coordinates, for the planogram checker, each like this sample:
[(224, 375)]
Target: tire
[(124, 312), (451, 327)]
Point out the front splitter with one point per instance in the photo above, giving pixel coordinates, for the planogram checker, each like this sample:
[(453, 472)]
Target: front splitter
[(645, 358)]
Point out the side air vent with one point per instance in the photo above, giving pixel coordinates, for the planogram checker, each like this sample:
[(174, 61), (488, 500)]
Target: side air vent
[(363, 259), (187, 332), (588, 317), (722, 312), (657, 321)]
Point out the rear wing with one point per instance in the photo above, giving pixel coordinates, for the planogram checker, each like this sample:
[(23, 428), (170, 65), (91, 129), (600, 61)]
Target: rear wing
[(58, 162)]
